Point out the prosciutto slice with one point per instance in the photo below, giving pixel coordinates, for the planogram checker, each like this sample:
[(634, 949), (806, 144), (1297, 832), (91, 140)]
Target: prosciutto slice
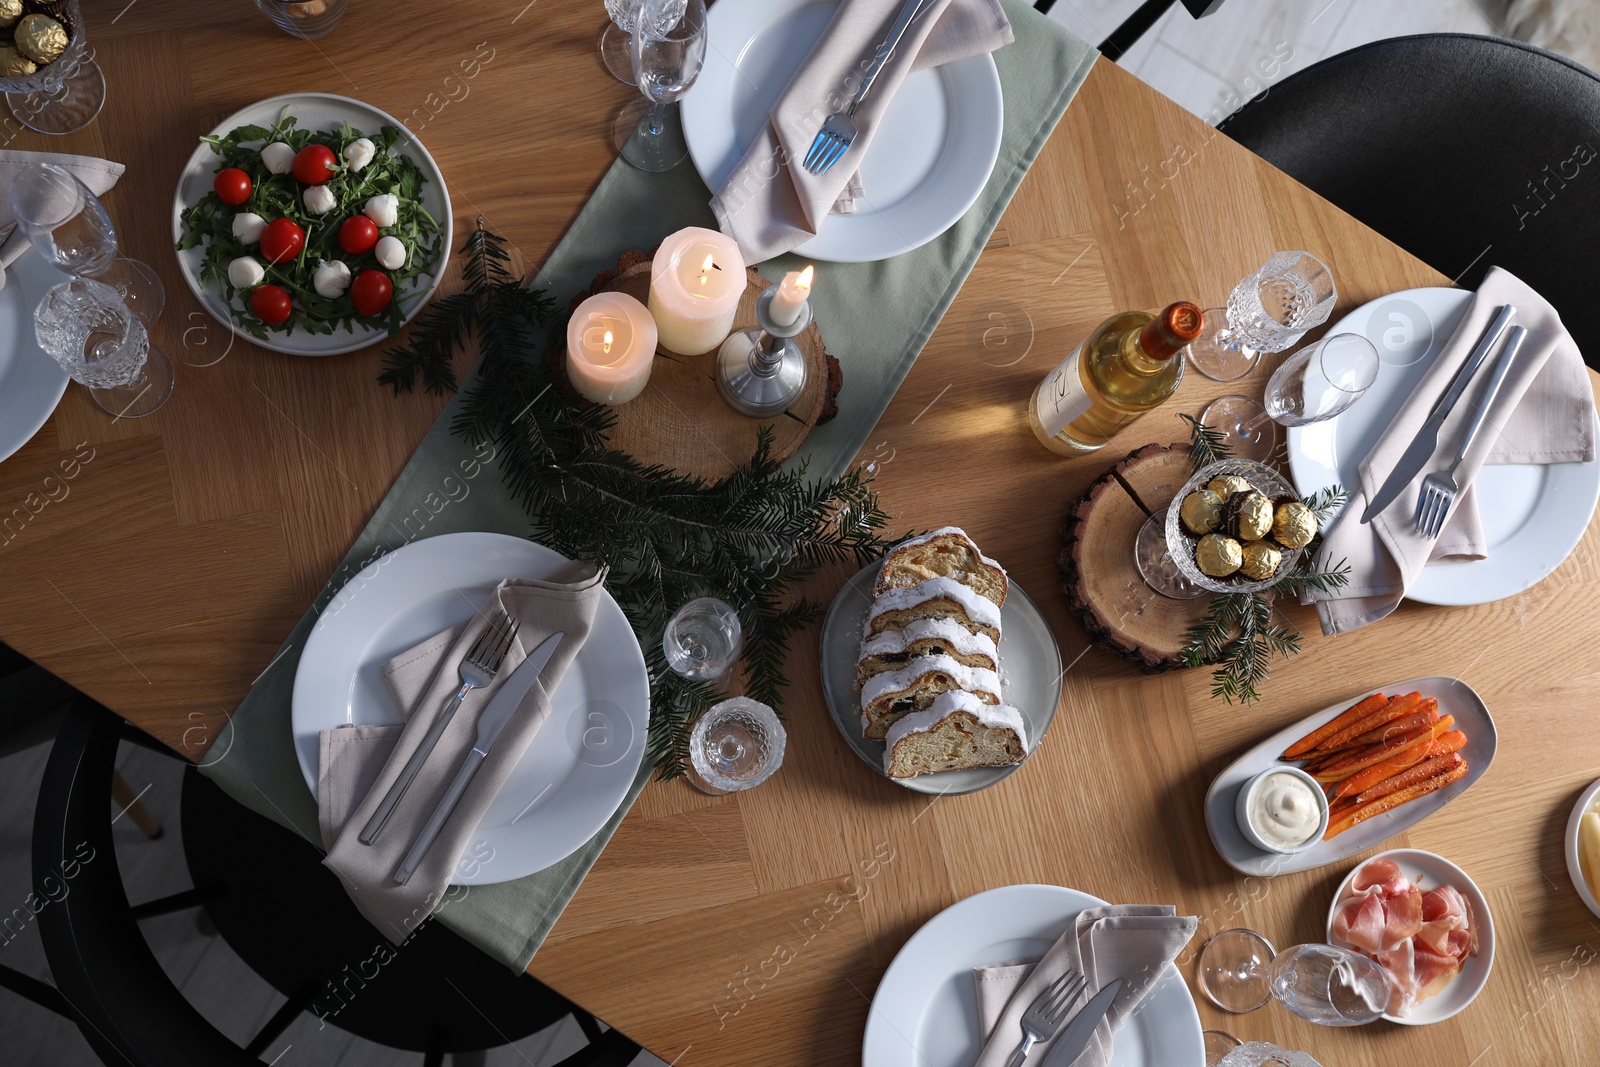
[(1421, 938), (1361, 922), (1446, 923)]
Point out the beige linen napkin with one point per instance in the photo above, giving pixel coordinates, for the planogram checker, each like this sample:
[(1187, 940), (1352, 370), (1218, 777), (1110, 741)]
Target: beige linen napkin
[(1543, 413), (1133, 942), (358, 764), (770, 203), (98, 174)]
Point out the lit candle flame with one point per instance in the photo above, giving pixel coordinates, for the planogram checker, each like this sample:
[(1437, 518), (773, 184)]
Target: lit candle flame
[(706, 266), (605, 345), (804, 281)]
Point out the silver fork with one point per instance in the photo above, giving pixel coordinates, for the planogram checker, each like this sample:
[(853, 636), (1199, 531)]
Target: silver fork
[(1439, 490), (1047, 1012), (838, 133), (477, 669)]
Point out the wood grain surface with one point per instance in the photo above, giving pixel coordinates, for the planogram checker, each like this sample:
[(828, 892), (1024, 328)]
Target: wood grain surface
[(753, 929)]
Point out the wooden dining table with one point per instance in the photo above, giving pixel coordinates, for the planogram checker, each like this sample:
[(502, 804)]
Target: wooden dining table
[(187, 544)]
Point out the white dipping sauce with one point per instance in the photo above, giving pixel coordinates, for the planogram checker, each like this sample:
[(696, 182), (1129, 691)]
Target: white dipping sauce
[(1284, 810)]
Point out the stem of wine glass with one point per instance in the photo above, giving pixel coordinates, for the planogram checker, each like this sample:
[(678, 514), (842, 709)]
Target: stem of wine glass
[(656, 118)]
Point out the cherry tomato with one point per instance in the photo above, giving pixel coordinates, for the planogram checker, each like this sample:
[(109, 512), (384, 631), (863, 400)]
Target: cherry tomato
[(270, 303), (371, 292), (314, 164), (282, 240), (358, 234), (232, 186)]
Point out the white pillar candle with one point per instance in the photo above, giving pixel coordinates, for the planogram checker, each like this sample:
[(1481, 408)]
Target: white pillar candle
[(611, 340), (792, 294), (696, 280)]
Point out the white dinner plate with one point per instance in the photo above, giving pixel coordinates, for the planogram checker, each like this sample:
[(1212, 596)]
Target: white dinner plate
[(1455, 698), (1540, 512), (31, 383), (925, 1013), (1430, 871), (580, 764), (321, 112), (929, 159)]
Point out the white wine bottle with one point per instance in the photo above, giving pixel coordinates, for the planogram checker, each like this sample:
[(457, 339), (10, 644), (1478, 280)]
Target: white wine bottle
[(1128, 365)]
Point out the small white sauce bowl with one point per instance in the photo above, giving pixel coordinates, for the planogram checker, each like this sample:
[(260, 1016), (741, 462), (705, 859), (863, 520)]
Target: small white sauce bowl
[(1574, 868), (1241, 810)]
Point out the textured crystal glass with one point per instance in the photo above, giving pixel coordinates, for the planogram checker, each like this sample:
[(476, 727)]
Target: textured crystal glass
[(735, 745), (84, 326), (1267, 312), (669, 48), (63, 95), (309, 19), (1155, 563), (1263, 1054), (703, 638), (1182, 543)]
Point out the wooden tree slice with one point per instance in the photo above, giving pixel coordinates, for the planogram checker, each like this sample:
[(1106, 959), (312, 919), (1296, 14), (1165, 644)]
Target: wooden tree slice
[(682, 422), (1098, 573)]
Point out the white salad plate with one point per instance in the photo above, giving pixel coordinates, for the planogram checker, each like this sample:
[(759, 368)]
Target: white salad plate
[(1540, 511), (31, 382), (579, 766), (322, 112), (1030, 680), (1586, 801), (930, 156), (1430, 871), (1455, 698), (925, 1013)]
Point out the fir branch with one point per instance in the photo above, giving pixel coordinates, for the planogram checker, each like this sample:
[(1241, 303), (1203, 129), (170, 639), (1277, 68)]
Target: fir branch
[(1206, 446), (1324, 502)]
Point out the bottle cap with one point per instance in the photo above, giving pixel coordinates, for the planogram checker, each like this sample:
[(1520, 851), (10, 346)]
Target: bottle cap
[(1170, 331)]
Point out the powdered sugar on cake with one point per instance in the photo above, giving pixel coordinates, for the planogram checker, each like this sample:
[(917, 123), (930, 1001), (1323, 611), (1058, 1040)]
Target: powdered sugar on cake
[(971, 679), (980, 609), (964, 641)]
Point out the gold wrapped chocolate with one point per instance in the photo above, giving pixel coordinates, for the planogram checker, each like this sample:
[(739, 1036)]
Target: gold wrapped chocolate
[(1293, 526), (10, 12), (1217, 555), (1247, 516), (40, 38), (1225, 484), (1201, 512), (13, 64), (1259, 560)]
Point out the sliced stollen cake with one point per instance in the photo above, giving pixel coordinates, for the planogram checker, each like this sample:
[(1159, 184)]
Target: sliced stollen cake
[(945, 553), (888, 696), (925, 637), (936, 598), (955, 732)]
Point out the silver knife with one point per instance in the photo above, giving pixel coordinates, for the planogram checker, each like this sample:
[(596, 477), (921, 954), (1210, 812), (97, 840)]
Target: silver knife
[(1421, 448), (490, 724), (1070, 1043)]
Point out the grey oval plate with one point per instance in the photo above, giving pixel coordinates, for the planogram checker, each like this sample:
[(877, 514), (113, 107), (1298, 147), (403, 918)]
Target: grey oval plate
[(1030, 680)]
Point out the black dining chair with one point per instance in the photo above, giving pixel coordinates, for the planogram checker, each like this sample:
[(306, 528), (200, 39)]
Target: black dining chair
[(268, 895), (1466, 151), (1139, 21)]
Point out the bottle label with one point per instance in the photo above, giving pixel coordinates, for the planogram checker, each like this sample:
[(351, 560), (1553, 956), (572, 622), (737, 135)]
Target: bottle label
[(1061, 398)]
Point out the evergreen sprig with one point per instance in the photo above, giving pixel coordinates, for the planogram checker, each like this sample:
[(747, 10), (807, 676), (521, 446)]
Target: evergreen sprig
[(667, 537), (1237, 633)]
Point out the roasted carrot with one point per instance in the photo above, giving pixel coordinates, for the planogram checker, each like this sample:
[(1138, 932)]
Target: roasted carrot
[(1366, 757), (1392, 709), (1355, 714), (1425, 714), (1451, 741), (1378, 772), (1428, 768), (1362, 812)]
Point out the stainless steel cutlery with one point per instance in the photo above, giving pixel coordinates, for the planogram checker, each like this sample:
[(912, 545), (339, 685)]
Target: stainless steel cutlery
[(838, 133), (1047, 1012)]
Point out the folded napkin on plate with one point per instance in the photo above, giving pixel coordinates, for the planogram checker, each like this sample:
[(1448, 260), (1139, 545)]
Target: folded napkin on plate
[(1133, 942), (770, 203), (1543, 413), (98, 174), (358, 764)]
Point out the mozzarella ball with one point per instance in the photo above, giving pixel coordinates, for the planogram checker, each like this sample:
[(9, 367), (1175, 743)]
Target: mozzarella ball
[(246, 272), (319, 199), (383, 209), (332, 277), (247, 226), (359, 153), (391, 253), (278, 157)]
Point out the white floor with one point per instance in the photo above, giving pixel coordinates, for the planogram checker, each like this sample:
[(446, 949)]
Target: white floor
[(213, 978), (1213, 64)]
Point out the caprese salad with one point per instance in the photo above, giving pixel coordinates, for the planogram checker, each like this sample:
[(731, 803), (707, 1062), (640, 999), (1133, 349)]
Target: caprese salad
[(316, 230)]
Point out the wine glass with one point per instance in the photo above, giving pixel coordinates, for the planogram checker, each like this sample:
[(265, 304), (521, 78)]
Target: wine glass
[(1267, 312), (616, 43), (84, 325), (1248, 432), (1240, 972), (669, 48), (69, 227), (703, 638), (1321, 380), (65, 94), (735, 745)]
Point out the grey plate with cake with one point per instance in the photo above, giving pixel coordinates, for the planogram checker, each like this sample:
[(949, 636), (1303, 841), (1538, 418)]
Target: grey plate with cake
[(1030, 679)]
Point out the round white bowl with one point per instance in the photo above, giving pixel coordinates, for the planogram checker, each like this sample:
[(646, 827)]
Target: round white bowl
[(1575, 870), (1241, 810)]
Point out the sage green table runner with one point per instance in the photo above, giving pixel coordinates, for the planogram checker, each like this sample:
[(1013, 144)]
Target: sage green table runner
[(876, 318)]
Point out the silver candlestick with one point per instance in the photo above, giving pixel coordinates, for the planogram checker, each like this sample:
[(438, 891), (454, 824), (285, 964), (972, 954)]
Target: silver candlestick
[(761, 371)]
